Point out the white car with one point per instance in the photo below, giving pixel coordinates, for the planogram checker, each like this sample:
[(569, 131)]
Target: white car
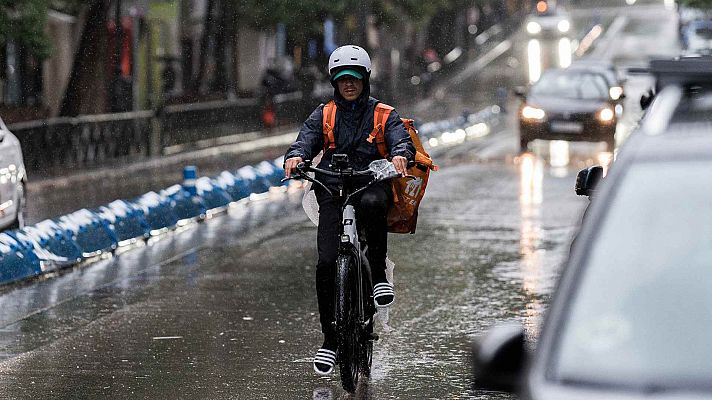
[(12, 181)]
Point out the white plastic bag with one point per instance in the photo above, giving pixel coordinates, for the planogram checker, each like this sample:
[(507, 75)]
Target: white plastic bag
[(309, 203)]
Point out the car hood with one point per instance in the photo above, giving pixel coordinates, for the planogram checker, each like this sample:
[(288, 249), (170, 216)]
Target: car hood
[(554, 392), (558, 104)]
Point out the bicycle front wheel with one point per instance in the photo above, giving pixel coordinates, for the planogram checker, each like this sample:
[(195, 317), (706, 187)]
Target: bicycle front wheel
[(346, 323)]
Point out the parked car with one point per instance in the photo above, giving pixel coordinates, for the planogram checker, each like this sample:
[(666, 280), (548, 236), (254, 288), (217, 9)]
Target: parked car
[(631, 315), (548, 20), (12, 181), (564, 104)]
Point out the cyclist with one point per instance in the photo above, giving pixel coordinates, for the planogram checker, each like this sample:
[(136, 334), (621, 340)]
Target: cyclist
[(349, 71)]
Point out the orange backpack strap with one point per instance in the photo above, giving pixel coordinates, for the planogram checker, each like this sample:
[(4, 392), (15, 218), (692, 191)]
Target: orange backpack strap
[(328, 120), (380, 116)]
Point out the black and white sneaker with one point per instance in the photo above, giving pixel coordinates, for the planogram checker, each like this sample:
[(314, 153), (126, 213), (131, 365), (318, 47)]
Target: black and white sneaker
[(383, 294), (324, 361)]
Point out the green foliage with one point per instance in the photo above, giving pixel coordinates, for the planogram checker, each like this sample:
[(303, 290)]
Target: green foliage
[(24, 22), (703, 4), (304, 18)]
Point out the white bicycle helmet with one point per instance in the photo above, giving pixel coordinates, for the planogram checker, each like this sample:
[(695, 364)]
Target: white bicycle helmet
[(349, 56)]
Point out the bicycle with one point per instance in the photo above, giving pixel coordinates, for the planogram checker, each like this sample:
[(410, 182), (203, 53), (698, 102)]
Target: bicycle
[(354, 304)]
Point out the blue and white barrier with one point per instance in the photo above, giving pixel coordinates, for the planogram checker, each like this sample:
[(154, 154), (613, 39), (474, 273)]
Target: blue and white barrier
[(17, 260), (213, 193), (187, 206), (256, 184), (127, 221), (158, 211), (51, 244), (90, 232), (234, 185)]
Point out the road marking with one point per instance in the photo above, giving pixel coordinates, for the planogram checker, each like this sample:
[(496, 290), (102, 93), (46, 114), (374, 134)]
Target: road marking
[(482, 62), (606, 51), (472, 69), (167, 337)]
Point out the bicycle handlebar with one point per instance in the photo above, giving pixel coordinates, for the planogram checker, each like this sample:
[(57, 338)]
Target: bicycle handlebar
[(305, 166)]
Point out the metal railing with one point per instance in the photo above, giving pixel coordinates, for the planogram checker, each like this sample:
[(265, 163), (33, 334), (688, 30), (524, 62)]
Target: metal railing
[(90, 140), (52, 146)]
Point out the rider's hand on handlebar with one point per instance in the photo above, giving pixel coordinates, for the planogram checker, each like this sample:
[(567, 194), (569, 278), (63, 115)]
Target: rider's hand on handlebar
[(290, 164), (401, 164)]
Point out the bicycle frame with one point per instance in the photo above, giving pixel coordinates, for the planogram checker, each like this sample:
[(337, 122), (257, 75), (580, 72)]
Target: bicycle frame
[(350, 243)]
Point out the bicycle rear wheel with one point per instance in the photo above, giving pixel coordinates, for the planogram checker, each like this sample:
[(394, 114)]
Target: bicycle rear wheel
[(346, 323)]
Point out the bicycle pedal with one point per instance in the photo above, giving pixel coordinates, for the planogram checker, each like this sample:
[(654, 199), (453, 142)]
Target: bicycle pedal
[(373, 336)]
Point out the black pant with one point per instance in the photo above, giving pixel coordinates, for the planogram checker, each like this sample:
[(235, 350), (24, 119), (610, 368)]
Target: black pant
[(371, 208)]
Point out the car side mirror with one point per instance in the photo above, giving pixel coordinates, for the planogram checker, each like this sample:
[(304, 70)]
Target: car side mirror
[(499, 358), (520, 91), (646, 99), (587, 180)]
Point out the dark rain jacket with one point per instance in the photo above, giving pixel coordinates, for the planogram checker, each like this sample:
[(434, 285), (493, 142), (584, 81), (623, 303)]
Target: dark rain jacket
[(354, 122)]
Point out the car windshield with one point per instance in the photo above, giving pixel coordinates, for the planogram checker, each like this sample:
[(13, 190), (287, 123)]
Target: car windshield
[(704, 33), (571, 85), (646, 286)]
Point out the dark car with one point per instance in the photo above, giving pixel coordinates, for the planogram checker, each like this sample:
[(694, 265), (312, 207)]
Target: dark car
[(632, 313), (572, 105)]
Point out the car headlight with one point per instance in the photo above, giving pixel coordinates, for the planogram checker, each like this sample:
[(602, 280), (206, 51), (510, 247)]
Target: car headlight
[(529, 112), (564, 26), (615, 92), (606, 115), (533, 27)]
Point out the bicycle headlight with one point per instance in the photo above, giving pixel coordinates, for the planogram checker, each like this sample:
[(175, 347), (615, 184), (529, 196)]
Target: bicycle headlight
[(533, 113), (533, 27)]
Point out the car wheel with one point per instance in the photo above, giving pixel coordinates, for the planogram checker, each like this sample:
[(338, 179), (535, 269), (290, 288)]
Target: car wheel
[(19, 221)]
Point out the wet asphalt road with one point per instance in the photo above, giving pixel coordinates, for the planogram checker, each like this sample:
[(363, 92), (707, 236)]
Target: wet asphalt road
[(227, 308)]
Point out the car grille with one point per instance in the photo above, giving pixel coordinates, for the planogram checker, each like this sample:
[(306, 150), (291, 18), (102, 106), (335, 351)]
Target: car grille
[(581, 116)]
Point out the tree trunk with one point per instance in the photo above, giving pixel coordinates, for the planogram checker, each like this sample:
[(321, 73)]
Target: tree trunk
[(87, 89), (219, 82), (204, 47)]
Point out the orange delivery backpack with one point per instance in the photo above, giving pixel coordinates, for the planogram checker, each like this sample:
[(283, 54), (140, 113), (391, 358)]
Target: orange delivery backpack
[(407, 191)]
